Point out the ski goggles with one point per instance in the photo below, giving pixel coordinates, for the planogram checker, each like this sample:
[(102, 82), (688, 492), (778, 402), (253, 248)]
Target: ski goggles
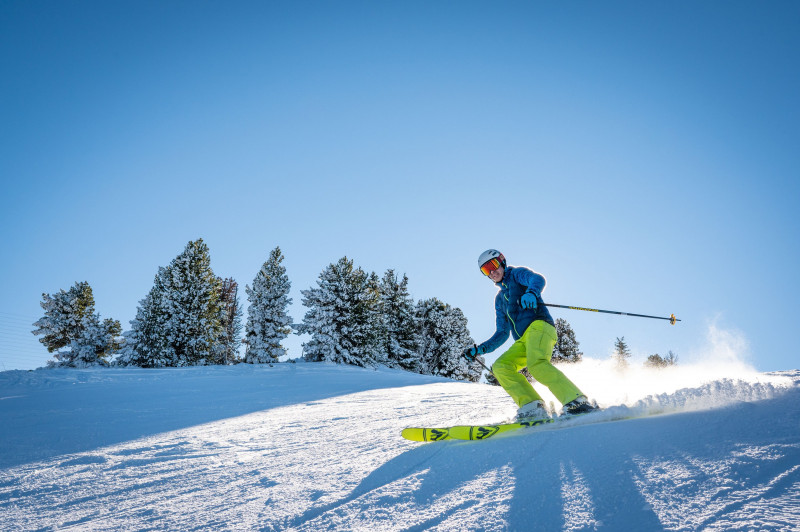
[(490, 266)]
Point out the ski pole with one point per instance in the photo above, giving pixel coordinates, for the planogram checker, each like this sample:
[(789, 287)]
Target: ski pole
[(481, 363), (672, 319), (484, 365)]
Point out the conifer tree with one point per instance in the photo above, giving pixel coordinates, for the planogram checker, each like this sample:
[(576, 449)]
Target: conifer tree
[(621, 353), (566, 349), (341, 316), (231, 318), (97, 341), (145, 343), (442, 336), (63, 316), (399, 338), (180, 322), (71, 322), (658, 362), (654, 361), (194, 306), (375, 318), (268, 321)]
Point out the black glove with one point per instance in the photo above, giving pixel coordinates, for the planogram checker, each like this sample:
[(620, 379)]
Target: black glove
[(473, 352)]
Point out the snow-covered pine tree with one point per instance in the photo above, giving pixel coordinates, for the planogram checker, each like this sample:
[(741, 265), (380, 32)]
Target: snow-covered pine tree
[(179, 322), (231, 318), (341, 316), (658, 362), (268, 321), (399, 338), (621, 353), (375, 318), (192, 302), (145, 345), (566, 349), (63, 316), (71, 322), (442, 336), (98, 340)]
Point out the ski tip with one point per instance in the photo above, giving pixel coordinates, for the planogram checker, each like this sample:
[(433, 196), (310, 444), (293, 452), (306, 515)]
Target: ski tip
[(425, 434)]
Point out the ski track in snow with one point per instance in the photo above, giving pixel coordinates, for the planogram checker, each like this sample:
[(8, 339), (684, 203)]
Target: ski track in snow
[(317, 447)]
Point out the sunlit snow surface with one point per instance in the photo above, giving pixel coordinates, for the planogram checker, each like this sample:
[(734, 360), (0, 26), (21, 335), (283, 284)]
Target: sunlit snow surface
[(318, 447)]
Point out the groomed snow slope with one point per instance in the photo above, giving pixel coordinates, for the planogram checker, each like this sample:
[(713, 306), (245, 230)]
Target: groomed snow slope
[(317, 447)]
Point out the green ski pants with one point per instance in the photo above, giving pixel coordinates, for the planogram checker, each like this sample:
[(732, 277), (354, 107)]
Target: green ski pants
[(534, 349)]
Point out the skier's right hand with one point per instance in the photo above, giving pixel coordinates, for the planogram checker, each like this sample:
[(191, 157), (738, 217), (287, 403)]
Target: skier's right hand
[(473, 352)]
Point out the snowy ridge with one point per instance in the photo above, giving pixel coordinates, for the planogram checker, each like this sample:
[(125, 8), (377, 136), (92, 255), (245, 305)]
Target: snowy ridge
[(317, 447)]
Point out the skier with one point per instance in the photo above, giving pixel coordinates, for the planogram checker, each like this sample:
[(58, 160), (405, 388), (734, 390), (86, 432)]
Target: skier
[(521, 312)]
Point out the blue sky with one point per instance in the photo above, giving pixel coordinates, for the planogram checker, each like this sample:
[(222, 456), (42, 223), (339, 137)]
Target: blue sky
[(642, 156)]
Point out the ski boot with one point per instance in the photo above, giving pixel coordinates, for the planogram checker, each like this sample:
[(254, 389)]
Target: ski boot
[(533, 412), (581, 405)]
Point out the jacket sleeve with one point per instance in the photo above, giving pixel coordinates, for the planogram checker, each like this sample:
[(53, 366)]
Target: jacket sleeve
[(503, 329), (533, 281)]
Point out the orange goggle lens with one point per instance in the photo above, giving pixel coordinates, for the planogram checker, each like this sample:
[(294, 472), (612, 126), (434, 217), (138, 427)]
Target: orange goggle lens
[(490, 266)]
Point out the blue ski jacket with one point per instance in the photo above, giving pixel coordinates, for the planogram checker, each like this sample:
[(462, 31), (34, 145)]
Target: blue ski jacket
[(511, 317)]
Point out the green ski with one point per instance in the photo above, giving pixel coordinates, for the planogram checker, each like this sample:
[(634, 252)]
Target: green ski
[(466, 432)]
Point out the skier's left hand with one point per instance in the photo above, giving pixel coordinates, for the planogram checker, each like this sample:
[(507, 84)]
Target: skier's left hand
[(472, 352), (528, 300)]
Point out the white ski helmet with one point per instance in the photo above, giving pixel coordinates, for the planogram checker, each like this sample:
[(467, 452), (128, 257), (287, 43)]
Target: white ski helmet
[(490, 254)]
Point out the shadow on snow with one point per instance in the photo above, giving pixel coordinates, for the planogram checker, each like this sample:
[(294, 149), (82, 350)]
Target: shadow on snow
[(49, 413), (604, 462)]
